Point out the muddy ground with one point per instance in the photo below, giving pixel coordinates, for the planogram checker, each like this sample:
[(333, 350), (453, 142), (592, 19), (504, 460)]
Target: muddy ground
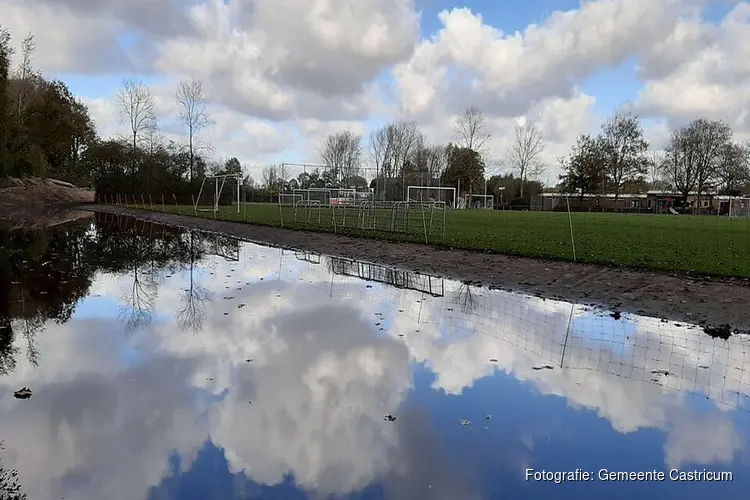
[(33, 202), (697, 300)]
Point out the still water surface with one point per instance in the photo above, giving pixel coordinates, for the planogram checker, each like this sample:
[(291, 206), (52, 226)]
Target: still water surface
[(168, 364)]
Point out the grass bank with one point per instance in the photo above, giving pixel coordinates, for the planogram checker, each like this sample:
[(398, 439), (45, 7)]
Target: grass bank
[(708, 245)]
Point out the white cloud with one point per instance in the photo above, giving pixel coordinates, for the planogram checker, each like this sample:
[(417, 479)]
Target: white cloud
[(283, 73), (704, 72)]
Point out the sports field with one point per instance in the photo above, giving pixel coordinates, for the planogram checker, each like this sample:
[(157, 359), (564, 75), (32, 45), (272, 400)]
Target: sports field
[(708, 245)]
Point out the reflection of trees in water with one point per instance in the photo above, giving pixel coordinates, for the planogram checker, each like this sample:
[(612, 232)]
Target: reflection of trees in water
[(195, 298), (465, 298), (8, 351), (10, 488), (44, 275), (47, 272), (138, 301)]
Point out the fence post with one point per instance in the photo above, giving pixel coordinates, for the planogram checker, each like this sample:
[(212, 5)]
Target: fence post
[(126, 201), (195, 207), (143, 202), (163, 209), (179, 212), (151, 203)]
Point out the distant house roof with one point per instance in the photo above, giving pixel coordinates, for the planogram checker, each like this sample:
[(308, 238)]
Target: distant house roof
[(610, 195), (640, 195)]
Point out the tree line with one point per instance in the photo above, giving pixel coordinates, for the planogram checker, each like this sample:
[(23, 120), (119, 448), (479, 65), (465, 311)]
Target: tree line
[(701, 158)]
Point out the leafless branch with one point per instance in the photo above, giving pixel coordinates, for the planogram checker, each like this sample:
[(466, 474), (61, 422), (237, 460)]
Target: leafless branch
[(135, 105), (191, 101), (472, 130), (524, 155)]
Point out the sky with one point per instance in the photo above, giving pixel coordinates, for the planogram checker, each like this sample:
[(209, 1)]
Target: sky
[(282, 74)]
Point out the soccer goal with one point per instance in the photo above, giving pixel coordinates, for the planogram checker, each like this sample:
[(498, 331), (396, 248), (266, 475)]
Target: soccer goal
[(739, 207), (289, 199), (321, 195), (343, 197), (212, 187), (426, 194), (479, 201)]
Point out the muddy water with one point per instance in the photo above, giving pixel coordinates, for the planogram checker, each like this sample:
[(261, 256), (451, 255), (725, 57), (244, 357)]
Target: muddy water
[(164, 363)]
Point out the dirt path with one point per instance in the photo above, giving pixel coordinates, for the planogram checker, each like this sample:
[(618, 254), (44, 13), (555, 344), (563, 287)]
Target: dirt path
[(675, 297)]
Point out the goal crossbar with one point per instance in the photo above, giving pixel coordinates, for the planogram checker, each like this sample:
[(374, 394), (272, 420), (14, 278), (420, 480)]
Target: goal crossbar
[(218, 189)]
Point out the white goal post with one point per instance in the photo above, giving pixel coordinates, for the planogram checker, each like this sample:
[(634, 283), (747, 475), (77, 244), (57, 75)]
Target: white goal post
[(739, 206), (479, 201), (219, 181), (432, 193), (322, 195)]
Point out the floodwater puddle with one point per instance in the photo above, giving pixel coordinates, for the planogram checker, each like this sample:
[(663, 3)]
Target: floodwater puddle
[(320, 377)]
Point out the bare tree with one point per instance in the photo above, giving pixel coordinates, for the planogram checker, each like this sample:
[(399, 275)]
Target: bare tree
[(733, 172), (270, 175), (391, 146), (695, 156), (472, 130), (679, 163), (135, 104), (25, 73), (191, 101), (709, 140), (525, 154), (153, 138), (624, 151), (343, 153), (380, 152), (655, 165), (283, 175), (437, 161)]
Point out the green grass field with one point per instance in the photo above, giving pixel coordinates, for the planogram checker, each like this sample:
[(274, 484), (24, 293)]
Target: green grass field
[(707, 245)]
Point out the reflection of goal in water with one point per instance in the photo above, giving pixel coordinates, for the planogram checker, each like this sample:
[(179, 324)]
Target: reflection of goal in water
[(226, 247), (305, 256), (212, 189), (388, 275)]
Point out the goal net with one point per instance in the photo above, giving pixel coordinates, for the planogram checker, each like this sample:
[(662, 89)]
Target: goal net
[(290, 199), (343, 197), (218, 190), (479, 201), (738, 207), (321, 195), (427, 194)]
